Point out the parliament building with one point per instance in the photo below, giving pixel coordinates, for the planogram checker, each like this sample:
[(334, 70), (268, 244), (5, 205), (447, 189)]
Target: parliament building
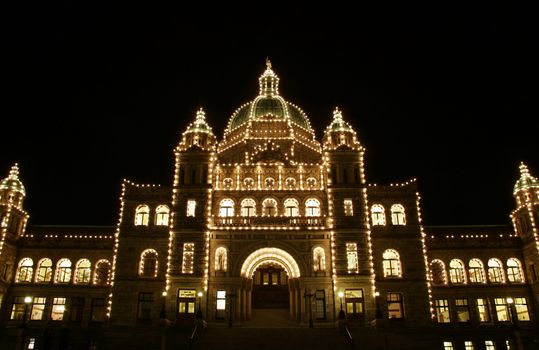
[(268, 219)]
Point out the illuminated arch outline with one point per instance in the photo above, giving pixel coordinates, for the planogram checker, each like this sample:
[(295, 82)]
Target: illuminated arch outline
[(274, 255)]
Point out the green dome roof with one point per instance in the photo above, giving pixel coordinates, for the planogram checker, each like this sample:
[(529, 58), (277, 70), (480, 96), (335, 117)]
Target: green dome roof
[(526, 181), (12, 182)]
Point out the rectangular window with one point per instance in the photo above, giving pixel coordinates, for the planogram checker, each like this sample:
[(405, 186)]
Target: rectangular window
[(482, 310), (38, 307), (348, 207), (394, 305), (17, 310), (320, 310), (442, 311), (221, 300), (468, 345), (463, 312), (98, 310), (58, 308), (521, 308), (354, 303), (351, 257), (509, 344), (77, 307), (257, 277), (489, 345), (191, 207), (145, 303), (448, 345), (502, 309), (188, 257), (265, 280), (31, 343)]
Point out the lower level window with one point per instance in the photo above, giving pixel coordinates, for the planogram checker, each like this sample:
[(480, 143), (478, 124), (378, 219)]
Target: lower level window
[(17, 310), (354, 302), (489, 345), (502, 309), (522, 309), (394, 305), (448, 345), (468, 345), (98, 310), (463, 313), (38, 307), (145, 302), (77, 307), (442, 311), (58, 308)]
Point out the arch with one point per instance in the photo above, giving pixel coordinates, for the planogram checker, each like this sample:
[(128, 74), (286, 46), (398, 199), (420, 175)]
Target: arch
[(495, 271), (161, 215), (25, 272), (319, 259), (266, 255), (312, 207), (437, 272), (398, 216), (226, 208), (515, 274), (248, 207), (63, 271), (148, 263), (269, 207), (476, 271), (83, 271), (391, 263), (44, 271), (142, 214), (102, 272), (378, 215), (291, 207), (457, 273)]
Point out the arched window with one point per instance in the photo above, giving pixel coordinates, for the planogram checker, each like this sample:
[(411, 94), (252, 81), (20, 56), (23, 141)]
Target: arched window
[(495, 271), (457, 275), (476, 271), (269, 207), (25, 272), (142, 214), (220, 259), (437, 272), (83, 271), (248, 207), (514, 271), (226, 208), (397, 215), (291, 207), (378, 215), (391, 263), (148, 263), (319, 259), (63, 271), (161, 215), (311, 183), (312, 207), (290, 183), (44, 271), (102, 272)]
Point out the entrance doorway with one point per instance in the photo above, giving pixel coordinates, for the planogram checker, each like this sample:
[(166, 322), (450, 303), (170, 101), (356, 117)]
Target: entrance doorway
[(270, 287)]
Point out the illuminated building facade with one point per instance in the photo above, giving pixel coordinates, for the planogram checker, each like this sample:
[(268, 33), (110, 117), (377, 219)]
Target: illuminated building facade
[(270, 218)]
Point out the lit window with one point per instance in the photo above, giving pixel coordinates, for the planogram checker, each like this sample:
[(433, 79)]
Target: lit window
[(142, 214), (221, 300), (290, 183), (44, 271), (227, 183), (394, 305), (354, 303), (186, 301), (83, 271), (348, 207), (58, 309), (102, 272), (188, 257), (378, 216), (351, 257), (437, 270), (312, 207), (468, 345), (448, 345), (502, 309), (63, 271), (161, 215), (248, 207), (148, 263), (456, 272), (442, 311), (191, 208), (482, 310), (397, 215), (514, 271), (510, 344), (495, 271), (226, 208), (311, 183), (248, 183), (269, 207), (220, 259), (319, 259), (463, 312), (25, 272), (489, 345), (31, 343), (291, 207), (145, 303), (476, 272), (18, 309), (521, 308), (38, 307), (391, 263), (270, 183)]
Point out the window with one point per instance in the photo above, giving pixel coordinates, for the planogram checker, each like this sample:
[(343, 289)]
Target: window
[(489, 345), (319, 259), (351, 257), (248, 183), (482, 310), (437, 271), (269, 207), (17, 310), (31, 343), (270, 183), (514, 271), (58, 309), (226, 208), (442, 311), (468, 345), (227, 183), (354, 303), (248, 207), (290, 183), (377, 215), (397, 215), (394, 305), (98, 310), (456, 272), (311, 183), (320, 304), (348, 207), (188, 257), (220, 259), (186, 301), (312, 207), (495, 271), (463, 312), (44, 271), (25, 272), (102, 272), (476, 272), (291, 207), (148, 263), (142, 214), (391, 263), (221, 300), (63, 271), (77, 308), (502, 309), (521, 308), (161, 215), (191, 208), (83, 271), (38, 307), (145, 302), (448, 345), (510, 344)]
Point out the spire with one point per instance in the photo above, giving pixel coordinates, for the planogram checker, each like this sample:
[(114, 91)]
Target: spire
[(526, 180), (268, 81), (201, 116), (199, 125), (12, 181), (14, 172), (524, 172), (337, 115)]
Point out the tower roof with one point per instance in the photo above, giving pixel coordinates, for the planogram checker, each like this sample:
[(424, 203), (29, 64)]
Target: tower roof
[(12, 182), (199, 125), (526, 181)]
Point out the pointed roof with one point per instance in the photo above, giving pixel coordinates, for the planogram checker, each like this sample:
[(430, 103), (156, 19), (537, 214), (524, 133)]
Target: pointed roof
[(199, 125), (526, 181), (12, 182), (338, 123)]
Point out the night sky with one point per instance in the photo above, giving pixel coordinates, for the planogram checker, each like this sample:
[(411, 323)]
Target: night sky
[(93, 95)]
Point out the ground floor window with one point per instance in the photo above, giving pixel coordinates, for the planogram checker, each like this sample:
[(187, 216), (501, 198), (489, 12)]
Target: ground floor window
[(468, 345), (320, 298), (354, 303), (394, 306), (98, 310), (221, 304), (463, 312), (38, 308), (442, 311), (448, 345), (145, 303), (521, 308), (489, 345), (77, 307), (58, 308), (502, 309), (17, 310)]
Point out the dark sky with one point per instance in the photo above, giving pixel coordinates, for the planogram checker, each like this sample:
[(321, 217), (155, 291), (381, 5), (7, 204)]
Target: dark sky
[(93, 94)]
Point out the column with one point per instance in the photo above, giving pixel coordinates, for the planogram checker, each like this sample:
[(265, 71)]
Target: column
[(238, 304)]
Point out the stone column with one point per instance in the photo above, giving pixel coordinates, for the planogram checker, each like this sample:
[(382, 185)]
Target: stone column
[(238, 304), (243, 304)]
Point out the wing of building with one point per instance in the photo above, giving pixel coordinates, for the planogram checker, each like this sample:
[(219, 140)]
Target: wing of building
[(271, 222)]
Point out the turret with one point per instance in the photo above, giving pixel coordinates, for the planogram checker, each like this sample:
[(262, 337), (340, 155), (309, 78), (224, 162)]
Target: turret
[(11, 188), (526, 215)]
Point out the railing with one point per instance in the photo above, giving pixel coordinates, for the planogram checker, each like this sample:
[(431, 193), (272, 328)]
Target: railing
[(274, 221), (192, 338), (349, 335)]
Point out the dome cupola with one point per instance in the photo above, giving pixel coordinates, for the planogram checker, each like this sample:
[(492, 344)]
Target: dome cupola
[(198, 134), (12, 183), (527, 186), (340, 133)]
